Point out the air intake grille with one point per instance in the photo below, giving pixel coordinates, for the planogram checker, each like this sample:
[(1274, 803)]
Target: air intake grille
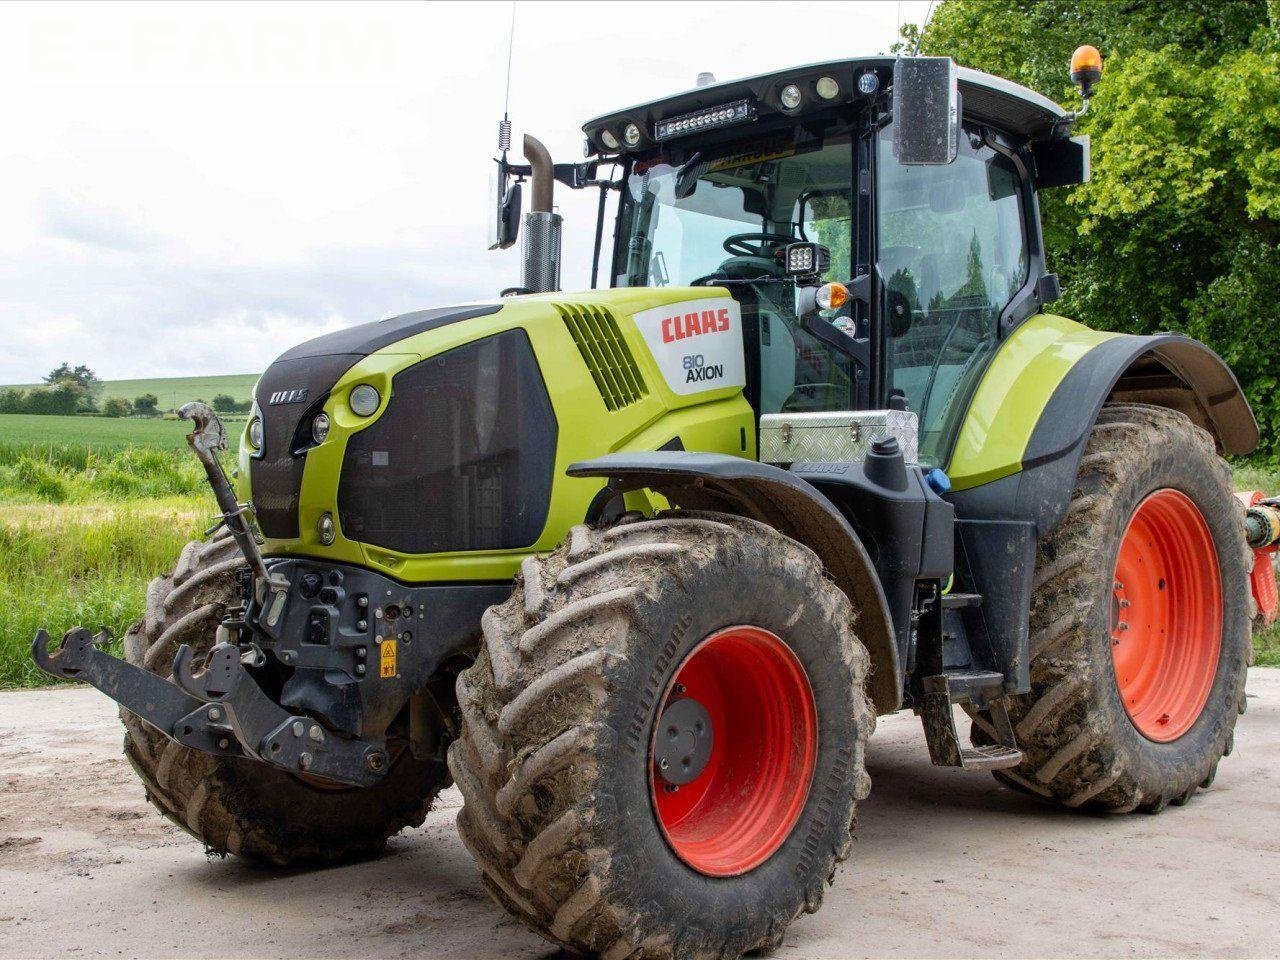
[(606, 354)]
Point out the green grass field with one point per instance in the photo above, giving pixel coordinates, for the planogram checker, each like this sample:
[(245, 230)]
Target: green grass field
[(174, 391), (33, 434)]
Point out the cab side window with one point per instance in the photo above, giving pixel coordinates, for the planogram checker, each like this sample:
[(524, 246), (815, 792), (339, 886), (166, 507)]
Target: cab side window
[(952, 254)]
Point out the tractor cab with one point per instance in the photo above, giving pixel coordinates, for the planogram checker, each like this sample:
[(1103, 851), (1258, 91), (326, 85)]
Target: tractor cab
[(875, 218)]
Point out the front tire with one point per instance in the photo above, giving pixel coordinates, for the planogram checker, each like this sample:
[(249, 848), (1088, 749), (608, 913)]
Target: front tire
[(567, 811), (245, 807), (1139, 623)]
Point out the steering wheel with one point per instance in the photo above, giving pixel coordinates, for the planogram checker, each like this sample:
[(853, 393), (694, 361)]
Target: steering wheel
[(755, 244)]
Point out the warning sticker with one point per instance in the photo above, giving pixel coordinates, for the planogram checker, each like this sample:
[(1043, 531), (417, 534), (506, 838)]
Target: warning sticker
[(697, 344), (388, 665)]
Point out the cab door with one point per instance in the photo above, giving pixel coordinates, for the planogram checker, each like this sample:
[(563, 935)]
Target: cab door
[(951, 256)]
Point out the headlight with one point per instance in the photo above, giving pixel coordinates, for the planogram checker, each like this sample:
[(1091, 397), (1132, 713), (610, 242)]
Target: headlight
[(255, 433), (320, 427), (790, 96), (364, 400)]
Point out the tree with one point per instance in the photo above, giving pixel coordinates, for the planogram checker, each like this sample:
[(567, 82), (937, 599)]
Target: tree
[(60, 399), (116, 407), (79, 375), (224, 403), (148, 405), (1179, 227)]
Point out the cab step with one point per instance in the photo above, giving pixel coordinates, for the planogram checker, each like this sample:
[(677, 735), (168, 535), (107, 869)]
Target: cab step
[(961, 601), (982, 690)]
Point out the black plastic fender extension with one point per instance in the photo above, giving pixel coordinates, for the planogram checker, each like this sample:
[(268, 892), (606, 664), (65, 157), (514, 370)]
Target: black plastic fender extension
[(792, 506)]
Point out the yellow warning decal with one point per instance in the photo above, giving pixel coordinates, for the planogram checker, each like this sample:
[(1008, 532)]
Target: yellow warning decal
[(746, 159), (388, 665)]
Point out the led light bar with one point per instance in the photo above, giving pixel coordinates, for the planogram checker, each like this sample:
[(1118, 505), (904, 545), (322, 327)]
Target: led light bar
[(724, 115)]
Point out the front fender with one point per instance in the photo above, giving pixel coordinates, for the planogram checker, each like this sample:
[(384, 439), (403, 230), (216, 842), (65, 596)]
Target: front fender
[(793, 507)]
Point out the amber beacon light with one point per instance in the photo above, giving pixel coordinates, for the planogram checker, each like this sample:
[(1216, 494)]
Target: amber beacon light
[(1086, 69)]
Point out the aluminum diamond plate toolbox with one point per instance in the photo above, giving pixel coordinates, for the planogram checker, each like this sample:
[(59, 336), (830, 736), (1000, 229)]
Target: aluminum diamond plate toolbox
[(837, 436)]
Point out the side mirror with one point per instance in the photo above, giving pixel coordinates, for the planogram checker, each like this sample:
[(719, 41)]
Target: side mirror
[(926, 110), (504, 222)]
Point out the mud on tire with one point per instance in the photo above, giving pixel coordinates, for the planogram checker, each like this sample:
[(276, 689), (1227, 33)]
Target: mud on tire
[(241, 806), (1080, 747), (557, 711)]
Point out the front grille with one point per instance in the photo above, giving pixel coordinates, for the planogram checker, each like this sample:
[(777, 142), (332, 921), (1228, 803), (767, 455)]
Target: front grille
[(276, 475), (461, 459), (606, 354)]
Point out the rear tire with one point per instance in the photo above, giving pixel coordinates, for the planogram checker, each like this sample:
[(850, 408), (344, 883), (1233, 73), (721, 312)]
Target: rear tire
[(1105, 726), (242, 806), (556, 761)]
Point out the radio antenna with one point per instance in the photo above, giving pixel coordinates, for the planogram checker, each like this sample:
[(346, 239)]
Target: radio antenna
[(504, 125)]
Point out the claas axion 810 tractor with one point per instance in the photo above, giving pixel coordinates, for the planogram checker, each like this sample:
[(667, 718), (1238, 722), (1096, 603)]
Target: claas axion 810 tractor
[(818, 452)]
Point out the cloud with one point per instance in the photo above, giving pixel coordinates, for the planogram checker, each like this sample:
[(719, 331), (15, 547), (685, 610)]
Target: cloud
[(81, 222)]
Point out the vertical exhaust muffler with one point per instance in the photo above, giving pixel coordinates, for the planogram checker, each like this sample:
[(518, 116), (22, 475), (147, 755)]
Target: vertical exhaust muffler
[(540, 249)]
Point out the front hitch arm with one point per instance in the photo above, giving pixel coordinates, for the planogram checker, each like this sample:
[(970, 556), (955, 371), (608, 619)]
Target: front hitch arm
[(219, 709)]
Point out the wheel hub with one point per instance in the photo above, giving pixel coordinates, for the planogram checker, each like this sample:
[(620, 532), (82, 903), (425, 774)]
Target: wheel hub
[(727, 794), (684, 741), (1166, 615)]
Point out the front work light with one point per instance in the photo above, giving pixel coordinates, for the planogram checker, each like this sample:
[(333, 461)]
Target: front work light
[(609, 140), (325, 529), (790, 96), (806, 259), (632, 135), (364, 400), (827, 88), (709, 118), (1086, 69)]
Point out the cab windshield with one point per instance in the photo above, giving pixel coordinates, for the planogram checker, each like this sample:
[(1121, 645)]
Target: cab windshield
[(728, 215), (694, 217)]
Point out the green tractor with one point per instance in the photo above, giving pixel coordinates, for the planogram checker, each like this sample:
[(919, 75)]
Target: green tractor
[(817, 452)]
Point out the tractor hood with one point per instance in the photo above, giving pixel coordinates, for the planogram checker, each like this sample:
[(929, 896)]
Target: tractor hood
[(458, 470)]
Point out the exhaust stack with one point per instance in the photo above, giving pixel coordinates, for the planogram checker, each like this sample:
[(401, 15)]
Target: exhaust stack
[(540, 250)]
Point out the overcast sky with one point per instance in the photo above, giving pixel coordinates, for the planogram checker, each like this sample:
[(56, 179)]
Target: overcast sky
[(189, 189)]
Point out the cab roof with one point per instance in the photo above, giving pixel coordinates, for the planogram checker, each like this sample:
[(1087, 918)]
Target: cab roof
[(1002, 103)]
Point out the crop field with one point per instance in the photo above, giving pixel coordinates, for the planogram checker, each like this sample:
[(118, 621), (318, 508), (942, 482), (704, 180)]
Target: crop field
[(173, 392), (91, 509), (32, 434)]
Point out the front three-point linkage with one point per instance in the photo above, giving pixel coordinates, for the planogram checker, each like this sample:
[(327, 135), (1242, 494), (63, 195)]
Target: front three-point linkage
[(218, 709)]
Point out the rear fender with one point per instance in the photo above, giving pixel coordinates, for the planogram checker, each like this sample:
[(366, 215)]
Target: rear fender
[(1168, 370), (793, 507)]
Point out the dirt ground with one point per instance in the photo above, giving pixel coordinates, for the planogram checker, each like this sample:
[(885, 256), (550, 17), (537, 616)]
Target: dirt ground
[(947, 864)]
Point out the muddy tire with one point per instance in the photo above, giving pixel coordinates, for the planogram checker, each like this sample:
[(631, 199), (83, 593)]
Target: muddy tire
[(565, 809), (240, 806), (1138, 656)]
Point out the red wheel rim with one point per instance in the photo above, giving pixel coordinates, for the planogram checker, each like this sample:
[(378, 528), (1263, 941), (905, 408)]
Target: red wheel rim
[(747, 799), (1166, 615)]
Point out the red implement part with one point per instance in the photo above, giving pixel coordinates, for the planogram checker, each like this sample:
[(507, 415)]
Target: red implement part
[(1166, 615), (747, 799), (1262, 579)]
